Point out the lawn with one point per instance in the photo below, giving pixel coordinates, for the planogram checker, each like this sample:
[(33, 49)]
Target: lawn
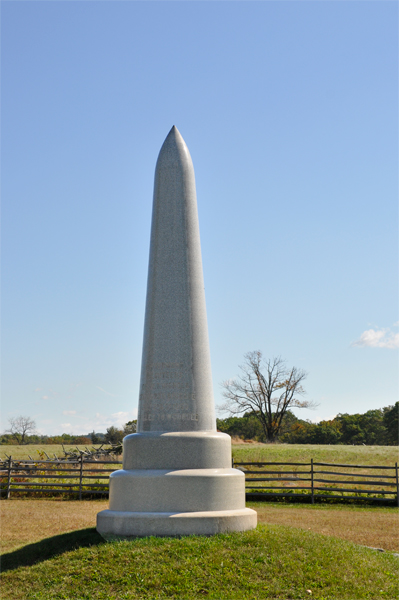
[(271, 562), (29, 520), (51, 549)]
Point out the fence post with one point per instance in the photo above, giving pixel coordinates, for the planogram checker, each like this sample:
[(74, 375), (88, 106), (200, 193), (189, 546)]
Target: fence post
[(80, 476), (9, 478), (397, 484), (311, 478)]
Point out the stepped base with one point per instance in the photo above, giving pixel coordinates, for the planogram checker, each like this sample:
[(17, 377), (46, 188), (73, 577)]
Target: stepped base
[(168, 491), (112, 524), (177, 450), (174, 484)]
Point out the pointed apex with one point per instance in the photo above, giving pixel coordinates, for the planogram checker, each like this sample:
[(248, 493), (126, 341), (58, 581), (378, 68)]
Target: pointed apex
[(174, 132), (174, 152)]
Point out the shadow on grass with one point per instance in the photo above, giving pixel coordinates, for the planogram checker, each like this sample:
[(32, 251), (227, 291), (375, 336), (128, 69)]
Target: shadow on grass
[(50, 547)]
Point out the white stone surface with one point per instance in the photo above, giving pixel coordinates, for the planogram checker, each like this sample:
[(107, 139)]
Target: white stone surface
[(176, 383), (177, 450), (190, 490), (116, 524), (177, 477)]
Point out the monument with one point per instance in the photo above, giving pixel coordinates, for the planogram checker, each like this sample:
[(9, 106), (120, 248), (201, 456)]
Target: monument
[(177, 477)]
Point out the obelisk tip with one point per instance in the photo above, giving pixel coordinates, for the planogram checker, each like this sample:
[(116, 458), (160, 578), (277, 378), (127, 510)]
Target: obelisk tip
[(174, 151), (174, 132)]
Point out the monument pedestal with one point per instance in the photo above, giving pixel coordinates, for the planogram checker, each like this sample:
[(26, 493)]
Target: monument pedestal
[(176, 483), (119, 525)]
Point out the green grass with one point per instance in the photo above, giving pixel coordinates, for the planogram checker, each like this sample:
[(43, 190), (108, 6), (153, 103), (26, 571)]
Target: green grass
[(340, 454), (20, 452), (368, 455), (358, 508), (272, 562)]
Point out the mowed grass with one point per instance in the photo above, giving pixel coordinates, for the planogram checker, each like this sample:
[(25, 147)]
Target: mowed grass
[(370, 526), (270, 562), (27, 521)]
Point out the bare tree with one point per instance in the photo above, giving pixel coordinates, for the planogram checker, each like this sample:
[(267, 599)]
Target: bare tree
[(20, 428), (268, 389)]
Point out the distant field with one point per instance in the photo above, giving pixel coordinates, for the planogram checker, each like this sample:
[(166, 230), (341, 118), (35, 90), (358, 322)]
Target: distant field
[(355, 455), (19, 452), (252, 452)]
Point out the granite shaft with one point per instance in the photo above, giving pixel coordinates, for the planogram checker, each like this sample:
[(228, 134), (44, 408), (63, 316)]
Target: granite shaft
[(176, 382)]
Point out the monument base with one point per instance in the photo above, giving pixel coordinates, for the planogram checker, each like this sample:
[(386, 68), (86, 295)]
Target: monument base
[(113, 524), (174, 484)]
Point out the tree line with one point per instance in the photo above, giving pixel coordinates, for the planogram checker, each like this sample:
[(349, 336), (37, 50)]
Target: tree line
[(22, 431), (378, 427)]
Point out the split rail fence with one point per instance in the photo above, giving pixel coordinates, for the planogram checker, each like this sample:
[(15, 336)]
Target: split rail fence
[(263, 480), (317, 480), (77, 476)]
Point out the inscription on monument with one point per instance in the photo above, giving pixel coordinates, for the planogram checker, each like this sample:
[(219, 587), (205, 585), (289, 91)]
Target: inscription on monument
[(170, 417), (169, 383)]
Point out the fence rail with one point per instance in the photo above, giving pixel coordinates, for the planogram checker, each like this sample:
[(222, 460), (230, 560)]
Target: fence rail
[(342, 484), (23, 475), (262, 479)]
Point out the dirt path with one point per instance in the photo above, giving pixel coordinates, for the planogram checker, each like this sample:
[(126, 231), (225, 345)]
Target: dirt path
[(27, 521)]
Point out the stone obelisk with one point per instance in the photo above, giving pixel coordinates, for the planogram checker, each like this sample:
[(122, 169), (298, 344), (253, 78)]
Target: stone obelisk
[(177, 477)]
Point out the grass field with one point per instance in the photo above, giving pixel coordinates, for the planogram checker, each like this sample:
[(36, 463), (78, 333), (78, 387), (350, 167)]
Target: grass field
[(340, 454), (20, 452), (368, 455), (271, 562), (51, 551), (26, 521)]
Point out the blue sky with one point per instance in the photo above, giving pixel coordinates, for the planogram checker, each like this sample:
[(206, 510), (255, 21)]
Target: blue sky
[(290, 112)]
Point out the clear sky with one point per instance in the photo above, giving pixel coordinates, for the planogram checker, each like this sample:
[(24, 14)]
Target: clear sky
[(290, 113)]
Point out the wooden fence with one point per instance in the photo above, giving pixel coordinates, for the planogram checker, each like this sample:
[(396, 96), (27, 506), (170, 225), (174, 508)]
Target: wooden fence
[(316, 480), (79, 476), (263, 480)]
